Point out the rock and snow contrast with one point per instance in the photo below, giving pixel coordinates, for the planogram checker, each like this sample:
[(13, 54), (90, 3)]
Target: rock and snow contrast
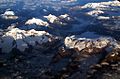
[(66, 17), (80, 54), (90, 44), (52, 21), (105, 17), (101, 5), (37, 22), (21, 39), (108, 8), (62, 19), (59, 39), (51, 18), (95, 12), (9, 15)]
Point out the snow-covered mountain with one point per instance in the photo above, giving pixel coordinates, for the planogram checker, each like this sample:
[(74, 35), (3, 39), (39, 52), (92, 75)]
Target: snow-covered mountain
[(59, 39)]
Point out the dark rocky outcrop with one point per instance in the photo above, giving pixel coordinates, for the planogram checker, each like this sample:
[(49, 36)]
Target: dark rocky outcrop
[(76, 58)]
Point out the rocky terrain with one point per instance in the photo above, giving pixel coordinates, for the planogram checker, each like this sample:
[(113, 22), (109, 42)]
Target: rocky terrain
[(59, 39)]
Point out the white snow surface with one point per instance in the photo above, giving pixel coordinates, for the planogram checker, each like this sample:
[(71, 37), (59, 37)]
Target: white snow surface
[(110, 8), (20, 39), (101, 4), (82, 42), (103, 18), (37, 22), (95, 12), (9, 15), (51, 18), (64, 16)]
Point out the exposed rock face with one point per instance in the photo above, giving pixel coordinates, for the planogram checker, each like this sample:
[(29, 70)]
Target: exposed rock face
[(40, 55), (106, 20), (91, 45), (101, 5), (110, 8), (21, 39), (66, 17), (51, 18), (62, 19), (102, 9), (108, 68), (79, 54), (37, 22), (54, 22), (9, 15)]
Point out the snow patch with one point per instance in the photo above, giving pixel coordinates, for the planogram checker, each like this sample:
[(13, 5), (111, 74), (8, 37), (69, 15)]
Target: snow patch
[(108, 8), (95, 12), (81, 43), (37, 22), (61, 20), (21, 39), (51, 18), (9, 15), (103, 18)]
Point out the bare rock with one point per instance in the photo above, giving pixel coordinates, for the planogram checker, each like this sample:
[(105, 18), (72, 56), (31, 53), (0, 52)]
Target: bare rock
[(90, 45), (22, 39)]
